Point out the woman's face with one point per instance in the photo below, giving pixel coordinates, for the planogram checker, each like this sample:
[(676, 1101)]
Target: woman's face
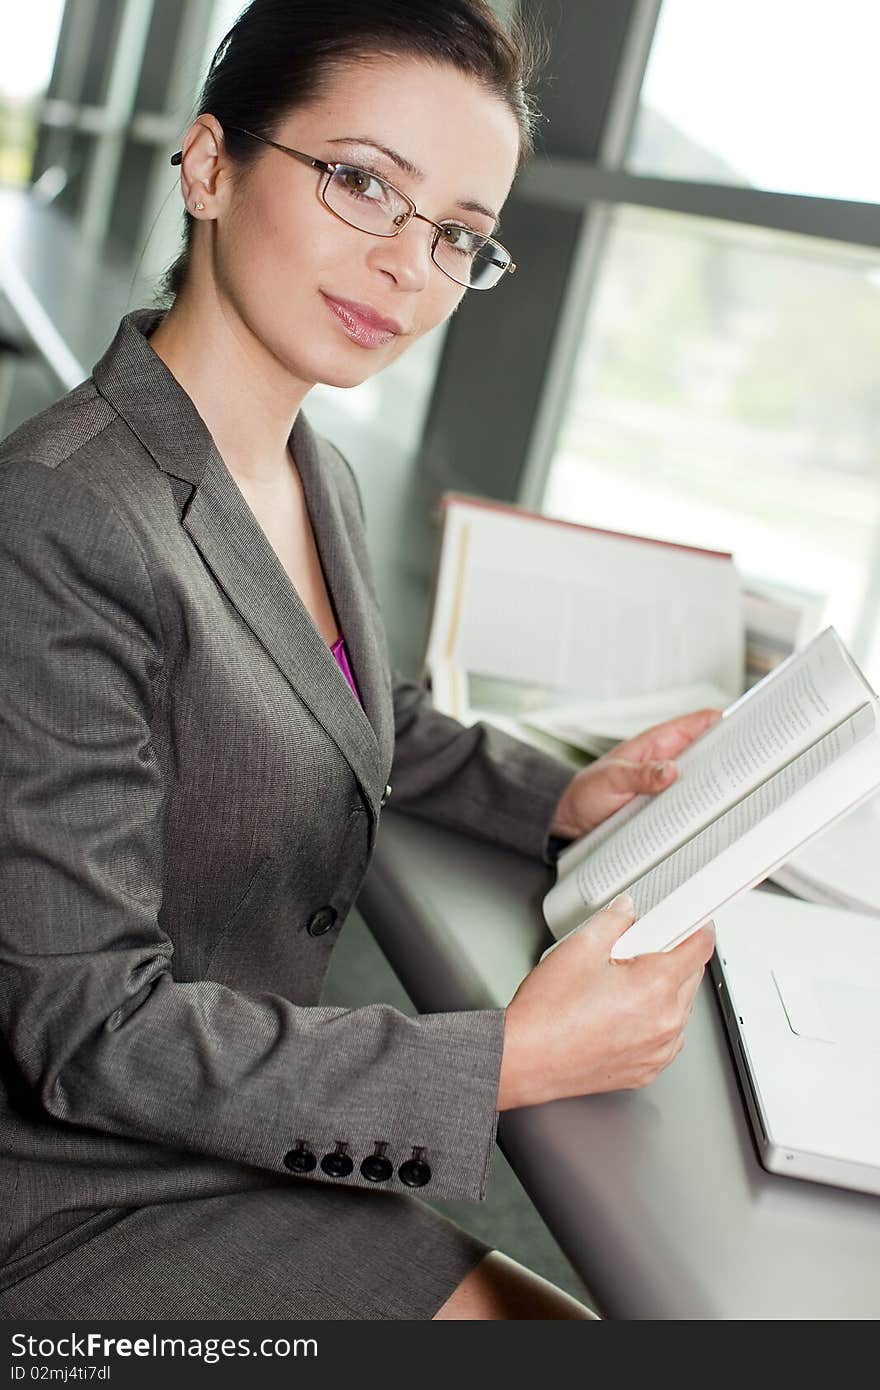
[(296, 278)]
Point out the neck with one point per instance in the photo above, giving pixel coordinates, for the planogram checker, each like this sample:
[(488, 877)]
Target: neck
[(247, 399)]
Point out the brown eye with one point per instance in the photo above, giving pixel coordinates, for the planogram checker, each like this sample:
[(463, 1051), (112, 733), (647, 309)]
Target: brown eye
[(461, 239), (361, 184), (356, 179)]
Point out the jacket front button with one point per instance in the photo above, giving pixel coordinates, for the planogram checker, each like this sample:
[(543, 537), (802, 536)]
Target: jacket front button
[(300, 1159), (338, 1164), (385, 795), (321, 921), (415, 1172)]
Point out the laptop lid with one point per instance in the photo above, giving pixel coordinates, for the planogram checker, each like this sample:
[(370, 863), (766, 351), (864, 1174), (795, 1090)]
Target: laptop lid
[(799, 988)]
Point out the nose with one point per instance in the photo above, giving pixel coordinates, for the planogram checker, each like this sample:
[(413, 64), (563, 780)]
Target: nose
[(407, 256)]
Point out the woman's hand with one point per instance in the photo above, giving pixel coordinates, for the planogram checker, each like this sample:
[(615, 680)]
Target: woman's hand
[(642, 764), (581, 1022)]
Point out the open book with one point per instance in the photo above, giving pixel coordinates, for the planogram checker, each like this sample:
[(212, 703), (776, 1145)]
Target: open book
[(575, 638), (529, 612), (798, 750), (778, 621)]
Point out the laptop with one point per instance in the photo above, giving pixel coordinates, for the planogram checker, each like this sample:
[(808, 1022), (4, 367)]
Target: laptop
[(799, 989)]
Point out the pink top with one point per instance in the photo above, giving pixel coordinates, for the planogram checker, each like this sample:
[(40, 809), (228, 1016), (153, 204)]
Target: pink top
[(339, 651)]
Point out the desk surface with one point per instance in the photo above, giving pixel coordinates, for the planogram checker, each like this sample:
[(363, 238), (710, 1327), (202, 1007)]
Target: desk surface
[(656, 1196)]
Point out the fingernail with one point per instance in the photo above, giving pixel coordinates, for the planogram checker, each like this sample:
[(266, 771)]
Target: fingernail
[(623, 903)]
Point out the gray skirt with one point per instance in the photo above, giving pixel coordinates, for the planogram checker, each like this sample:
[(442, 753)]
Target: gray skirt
[(301, 1251)]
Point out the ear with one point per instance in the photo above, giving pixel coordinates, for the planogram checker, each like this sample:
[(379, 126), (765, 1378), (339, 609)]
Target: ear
[(203, 166)]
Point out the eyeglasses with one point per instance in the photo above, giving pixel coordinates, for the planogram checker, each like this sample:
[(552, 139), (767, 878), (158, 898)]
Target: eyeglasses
[(372, 205)]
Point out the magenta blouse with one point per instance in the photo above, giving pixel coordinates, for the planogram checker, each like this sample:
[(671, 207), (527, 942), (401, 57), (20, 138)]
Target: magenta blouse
[(339, 651)]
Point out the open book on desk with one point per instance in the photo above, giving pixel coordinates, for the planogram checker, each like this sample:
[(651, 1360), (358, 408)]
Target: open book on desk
[(778, 621), (597, 727), (558, 612), (798, 750), (575, 638)]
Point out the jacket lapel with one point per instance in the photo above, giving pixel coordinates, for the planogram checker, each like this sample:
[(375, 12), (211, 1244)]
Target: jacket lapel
[(342, 548), (236, 550)]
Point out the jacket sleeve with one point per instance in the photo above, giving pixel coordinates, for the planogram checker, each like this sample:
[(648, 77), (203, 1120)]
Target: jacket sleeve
[(103, 1035), (477, 779)]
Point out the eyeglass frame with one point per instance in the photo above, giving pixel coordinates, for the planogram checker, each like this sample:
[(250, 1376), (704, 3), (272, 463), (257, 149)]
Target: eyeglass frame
[(414, 215)]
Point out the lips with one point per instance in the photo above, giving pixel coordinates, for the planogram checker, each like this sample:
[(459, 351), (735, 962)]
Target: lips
[(361, 323)]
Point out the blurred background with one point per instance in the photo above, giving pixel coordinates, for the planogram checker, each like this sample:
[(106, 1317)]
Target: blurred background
[(688, 349)]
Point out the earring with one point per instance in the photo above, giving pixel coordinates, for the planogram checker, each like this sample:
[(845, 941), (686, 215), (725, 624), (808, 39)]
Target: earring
[(200, 207)]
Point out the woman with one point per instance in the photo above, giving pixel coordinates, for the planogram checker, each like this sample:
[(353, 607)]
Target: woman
[(199, 723)]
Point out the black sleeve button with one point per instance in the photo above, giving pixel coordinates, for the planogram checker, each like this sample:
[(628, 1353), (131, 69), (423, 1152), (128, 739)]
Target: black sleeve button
[(376, 1167), (338, 1164), (300, 1159), (321, 921), (415, 1172)]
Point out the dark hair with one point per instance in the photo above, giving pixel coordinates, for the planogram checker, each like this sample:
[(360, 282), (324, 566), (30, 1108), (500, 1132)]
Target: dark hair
[(278, 52)]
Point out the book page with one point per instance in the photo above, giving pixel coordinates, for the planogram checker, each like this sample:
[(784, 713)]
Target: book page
[(747, 842), (656, 885), (528, 598), (470, 698), (582, 723), (756, 836), (798, 703)]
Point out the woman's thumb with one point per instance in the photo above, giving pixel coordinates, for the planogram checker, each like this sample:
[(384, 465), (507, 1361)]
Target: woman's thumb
[(609, 925), (604, 927)]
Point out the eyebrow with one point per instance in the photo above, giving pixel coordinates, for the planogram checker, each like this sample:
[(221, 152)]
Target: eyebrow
[(412, 171)]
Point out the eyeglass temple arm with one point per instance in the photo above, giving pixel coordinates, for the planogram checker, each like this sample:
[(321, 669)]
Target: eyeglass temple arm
[(285, 149)]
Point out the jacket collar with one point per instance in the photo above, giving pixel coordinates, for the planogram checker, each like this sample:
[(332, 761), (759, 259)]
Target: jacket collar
[(136, 382)]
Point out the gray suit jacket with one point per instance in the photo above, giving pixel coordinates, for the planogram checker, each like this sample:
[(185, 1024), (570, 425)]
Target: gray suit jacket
[(190, 797)]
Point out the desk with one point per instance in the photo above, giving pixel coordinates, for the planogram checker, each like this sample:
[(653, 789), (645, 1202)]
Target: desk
[(656, 1196)]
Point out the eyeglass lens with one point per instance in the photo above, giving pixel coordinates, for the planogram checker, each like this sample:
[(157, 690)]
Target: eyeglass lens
[(372, 205)]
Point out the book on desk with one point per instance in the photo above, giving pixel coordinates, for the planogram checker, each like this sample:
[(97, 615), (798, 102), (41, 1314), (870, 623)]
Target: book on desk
[(586, 636)]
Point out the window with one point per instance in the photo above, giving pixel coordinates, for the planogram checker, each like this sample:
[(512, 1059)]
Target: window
[(781, 96), (723, 391), (25, 69)]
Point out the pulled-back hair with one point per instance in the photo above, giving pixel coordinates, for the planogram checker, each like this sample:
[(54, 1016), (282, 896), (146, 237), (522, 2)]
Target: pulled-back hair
[(279, 53)]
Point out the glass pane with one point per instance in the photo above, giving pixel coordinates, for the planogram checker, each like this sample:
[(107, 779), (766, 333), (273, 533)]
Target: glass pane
[(101, 52), (725, 396), (26, 59), (127, 215), (166, 24), (780, 95)]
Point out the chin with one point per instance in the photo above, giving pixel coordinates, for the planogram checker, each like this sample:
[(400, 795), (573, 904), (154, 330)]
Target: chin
[(345, 380), (344, 375)]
